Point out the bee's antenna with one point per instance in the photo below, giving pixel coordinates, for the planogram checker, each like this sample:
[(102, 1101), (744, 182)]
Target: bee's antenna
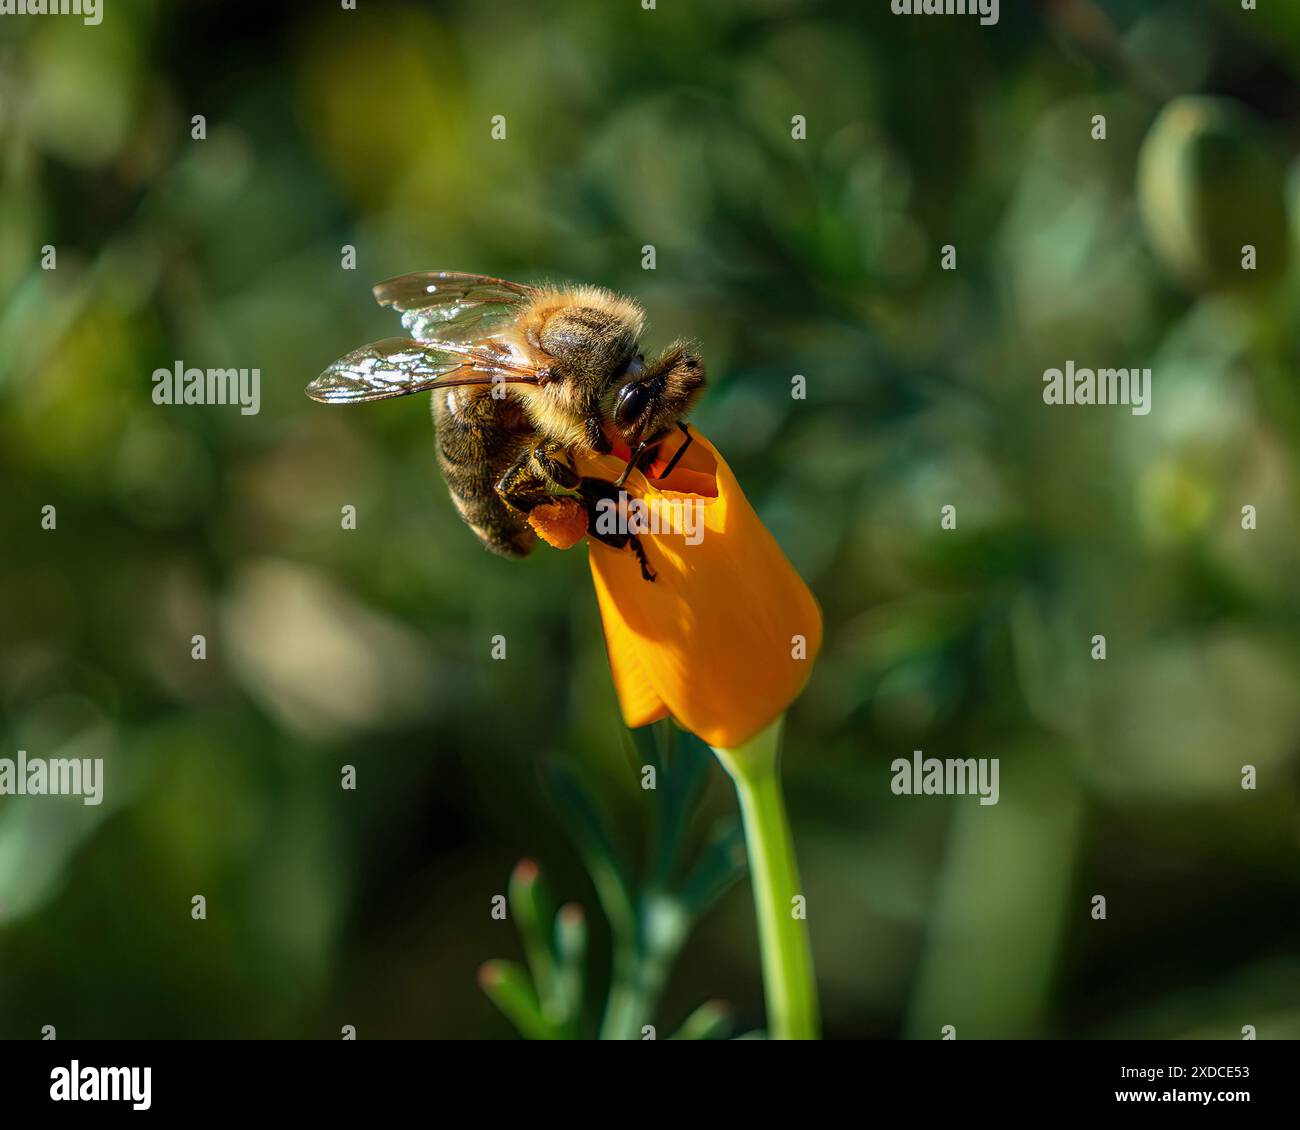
[(678, 453)]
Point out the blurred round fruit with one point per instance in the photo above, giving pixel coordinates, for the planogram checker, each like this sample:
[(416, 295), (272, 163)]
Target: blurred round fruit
[(1209, 185)]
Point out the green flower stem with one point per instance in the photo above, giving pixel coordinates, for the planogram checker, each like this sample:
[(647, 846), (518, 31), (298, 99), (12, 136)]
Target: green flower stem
[(788, 981)]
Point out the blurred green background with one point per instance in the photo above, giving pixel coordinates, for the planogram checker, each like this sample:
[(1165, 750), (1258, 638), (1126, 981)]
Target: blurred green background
[(819, 257)]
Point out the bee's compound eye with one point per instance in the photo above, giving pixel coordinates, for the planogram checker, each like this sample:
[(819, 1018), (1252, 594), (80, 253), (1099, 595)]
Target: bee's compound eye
[(630, 404)]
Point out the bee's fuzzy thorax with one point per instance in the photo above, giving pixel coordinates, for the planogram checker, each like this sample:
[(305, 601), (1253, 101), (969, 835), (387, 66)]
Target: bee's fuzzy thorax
[(586, 332), (552, 414), (548, 299)]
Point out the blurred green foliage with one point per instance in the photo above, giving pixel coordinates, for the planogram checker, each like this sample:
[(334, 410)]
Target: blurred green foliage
[(650, 916), (821, 257)]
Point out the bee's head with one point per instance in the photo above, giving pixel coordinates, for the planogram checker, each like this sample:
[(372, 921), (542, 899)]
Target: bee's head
[(648, 400)]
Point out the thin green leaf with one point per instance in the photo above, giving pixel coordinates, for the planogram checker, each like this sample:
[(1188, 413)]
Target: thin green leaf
[(533, 911), (571, 962), (645, 747), (586, 824), (679, 786), (711, 1021), (507, 986), (720, 865)]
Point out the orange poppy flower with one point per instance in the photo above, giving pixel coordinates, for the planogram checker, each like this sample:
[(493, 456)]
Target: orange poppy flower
[(724, 638)]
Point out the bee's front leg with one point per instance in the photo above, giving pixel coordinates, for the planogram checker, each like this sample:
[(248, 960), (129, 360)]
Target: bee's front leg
[(596, 439)]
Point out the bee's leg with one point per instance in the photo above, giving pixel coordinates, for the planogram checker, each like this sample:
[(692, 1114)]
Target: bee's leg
[(601, 498), (521, 486), (647, 573), (596, 440), (535, 477), (561, 474), (621, 541)]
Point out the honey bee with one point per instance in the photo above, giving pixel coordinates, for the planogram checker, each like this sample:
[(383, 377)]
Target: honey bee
[(523, 377)]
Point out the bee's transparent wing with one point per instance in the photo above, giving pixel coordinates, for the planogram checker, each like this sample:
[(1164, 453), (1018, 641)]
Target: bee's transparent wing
[(398, 366), (449, 306)]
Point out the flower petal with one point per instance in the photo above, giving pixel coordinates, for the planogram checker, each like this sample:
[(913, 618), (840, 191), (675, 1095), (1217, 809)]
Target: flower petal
[(724, 638), (637, 698)]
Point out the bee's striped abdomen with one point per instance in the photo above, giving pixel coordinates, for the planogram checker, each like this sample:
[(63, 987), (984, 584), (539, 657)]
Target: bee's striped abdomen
[(478, 438)]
